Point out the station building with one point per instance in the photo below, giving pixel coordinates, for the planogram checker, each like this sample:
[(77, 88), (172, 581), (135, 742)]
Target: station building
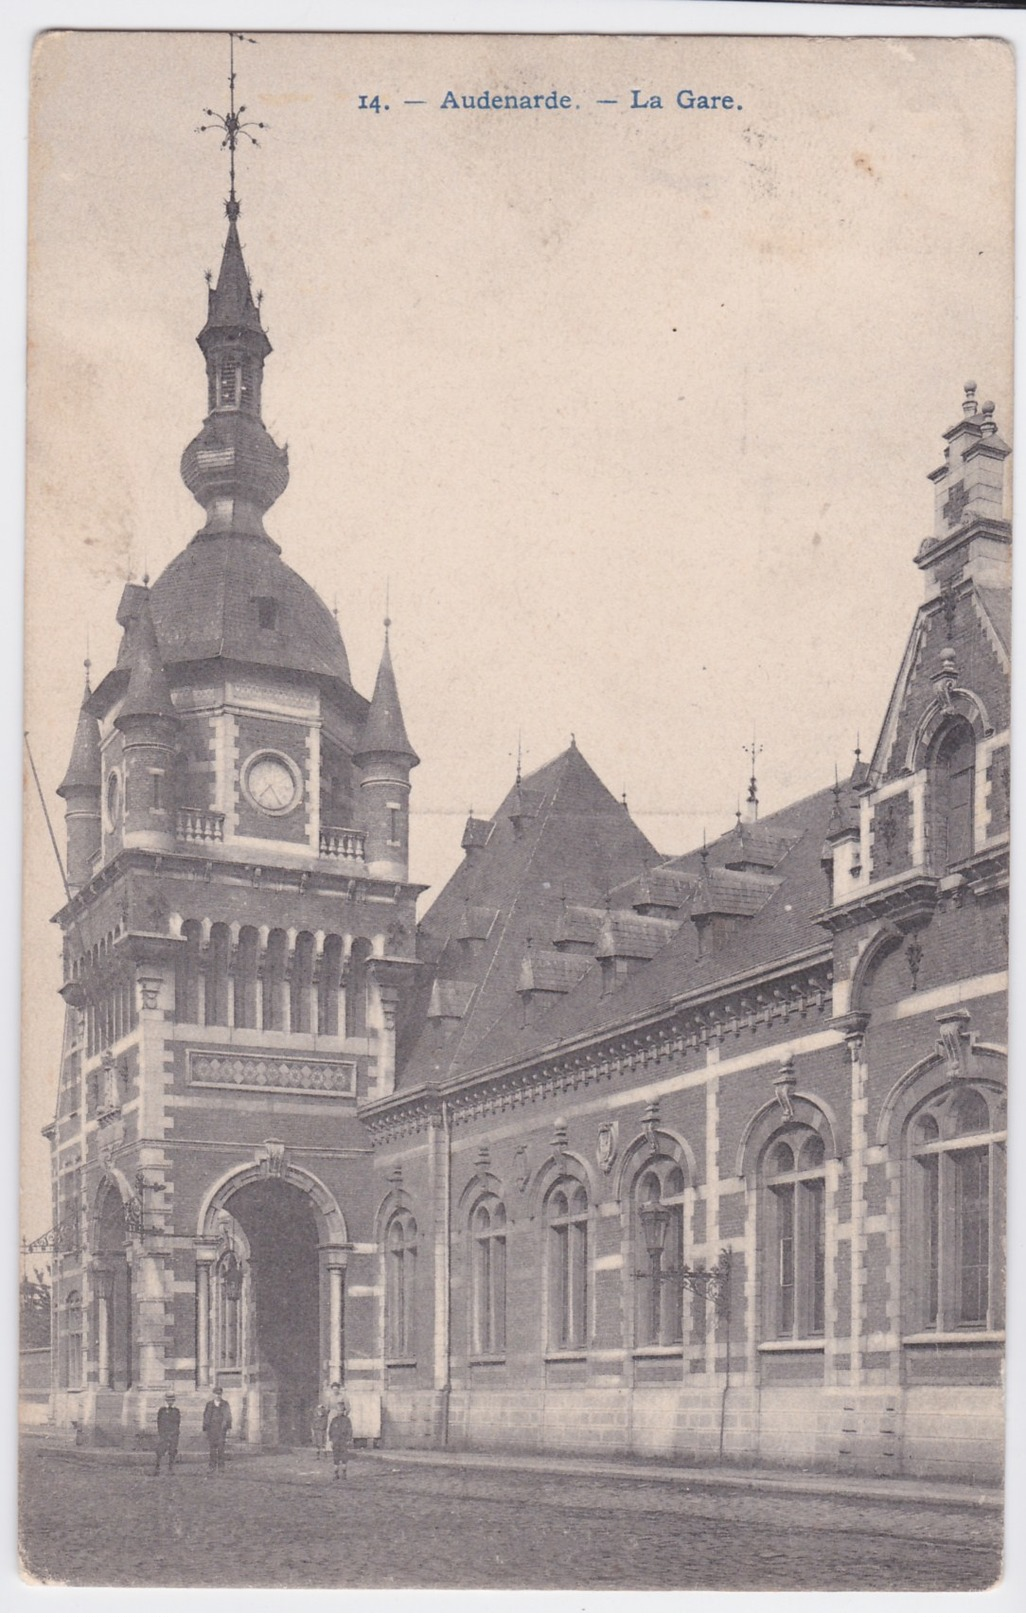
[(694, 1157)]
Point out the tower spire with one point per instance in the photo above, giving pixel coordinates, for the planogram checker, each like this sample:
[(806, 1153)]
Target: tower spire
[(234, 468)]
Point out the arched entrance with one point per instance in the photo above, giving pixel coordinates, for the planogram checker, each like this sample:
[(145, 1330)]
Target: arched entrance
[(284, 1303), (270, 1288), (112, 1289)]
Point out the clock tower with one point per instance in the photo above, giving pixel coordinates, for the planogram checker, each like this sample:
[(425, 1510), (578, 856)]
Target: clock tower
[(238, 937)]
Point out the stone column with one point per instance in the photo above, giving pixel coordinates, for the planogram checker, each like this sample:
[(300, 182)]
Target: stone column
[(335, 1262), (204, 1263), (104, 1280)]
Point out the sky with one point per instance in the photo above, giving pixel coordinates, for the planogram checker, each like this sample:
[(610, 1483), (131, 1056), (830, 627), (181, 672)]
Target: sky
[(628, 409)]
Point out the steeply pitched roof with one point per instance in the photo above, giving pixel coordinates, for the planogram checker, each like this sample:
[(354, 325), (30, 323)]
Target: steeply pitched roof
[(149, 691), (781, 927), (385, 730), (578, 842), (230, 305), (84, 765)]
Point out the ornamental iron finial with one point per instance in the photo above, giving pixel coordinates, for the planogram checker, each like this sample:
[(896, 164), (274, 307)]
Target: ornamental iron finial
[(232, 125)]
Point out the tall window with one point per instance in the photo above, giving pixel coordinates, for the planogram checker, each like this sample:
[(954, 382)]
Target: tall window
[(73, 1333), (956, 1158), (400, 1263), (952, 788), (795, 1248), (567, 1220), (659, 1244), (488, 1277), (228, 1312)]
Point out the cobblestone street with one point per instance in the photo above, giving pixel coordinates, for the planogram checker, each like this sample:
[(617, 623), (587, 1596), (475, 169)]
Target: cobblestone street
[(282, 1520)]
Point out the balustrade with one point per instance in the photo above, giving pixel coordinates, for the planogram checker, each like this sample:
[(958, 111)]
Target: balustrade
[(340, 843), (199, 825)]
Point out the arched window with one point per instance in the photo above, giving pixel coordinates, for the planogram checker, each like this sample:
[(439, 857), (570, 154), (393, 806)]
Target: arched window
[(246, 978), (328, 977), (952, 778), (218, 954), (488, 1276), (73, 1335), (794, 1249), (400, 1266), (567, 1223), (356, 988), (274, 980), (956, 1145), (188, 980), (301, 983), (658, 1212)]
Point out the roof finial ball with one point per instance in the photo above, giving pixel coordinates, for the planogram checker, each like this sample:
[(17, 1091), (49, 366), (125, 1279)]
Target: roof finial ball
[(969, 402)]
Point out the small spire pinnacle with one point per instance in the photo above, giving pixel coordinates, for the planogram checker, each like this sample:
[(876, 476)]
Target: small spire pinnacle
[(623, 798), (703, 854), (520, 756), (753, 791)]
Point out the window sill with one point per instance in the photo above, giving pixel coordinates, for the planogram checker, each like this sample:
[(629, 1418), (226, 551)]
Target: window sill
[(566, 1355), (671, 1350), (487, 1358), (797, 1344), (951, 1338), (400, 1364)]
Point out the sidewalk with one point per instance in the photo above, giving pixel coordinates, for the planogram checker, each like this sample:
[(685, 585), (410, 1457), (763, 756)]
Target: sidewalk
[(825, 1484), (900, 1490)]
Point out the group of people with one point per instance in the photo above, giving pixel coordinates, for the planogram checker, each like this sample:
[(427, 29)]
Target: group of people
[(217, 1423), (332, 1430)]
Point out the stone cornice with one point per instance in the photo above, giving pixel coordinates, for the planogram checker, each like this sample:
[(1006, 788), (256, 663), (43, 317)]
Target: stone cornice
[(198, 867), (693, 1021)]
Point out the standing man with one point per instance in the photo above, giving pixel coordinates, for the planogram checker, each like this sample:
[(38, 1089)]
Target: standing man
[(169, 1423), (217, 1423)]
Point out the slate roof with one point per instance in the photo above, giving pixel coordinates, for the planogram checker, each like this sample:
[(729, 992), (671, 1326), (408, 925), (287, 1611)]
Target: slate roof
[(578, 842), (781, 927), (84, 768), (385, 730), (203, 606)]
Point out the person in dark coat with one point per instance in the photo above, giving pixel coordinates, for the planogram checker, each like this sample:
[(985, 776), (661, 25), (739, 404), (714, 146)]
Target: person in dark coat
[(169, 1423), (217, 1423), (340, 1436)]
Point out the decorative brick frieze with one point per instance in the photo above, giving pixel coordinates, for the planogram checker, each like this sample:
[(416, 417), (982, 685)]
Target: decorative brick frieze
[(210, 1069)]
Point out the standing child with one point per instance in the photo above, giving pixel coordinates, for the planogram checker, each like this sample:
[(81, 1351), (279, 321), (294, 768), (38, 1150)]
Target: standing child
[(319, 1430), (340, 1436)]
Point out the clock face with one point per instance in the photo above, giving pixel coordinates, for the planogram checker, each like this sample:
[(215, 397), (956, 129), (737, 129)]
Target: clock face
[(271, 781)]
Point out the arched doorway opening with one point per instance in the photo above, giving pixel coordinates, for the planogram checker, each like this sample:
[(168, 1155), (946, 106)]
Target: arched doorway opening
[(112, 1284), (275, 1281)]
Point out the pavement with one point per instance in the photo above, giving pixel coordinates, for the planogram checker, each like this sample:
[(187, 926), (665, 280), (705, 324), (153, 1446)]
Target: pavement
[(827, 1484), (428, 1520)]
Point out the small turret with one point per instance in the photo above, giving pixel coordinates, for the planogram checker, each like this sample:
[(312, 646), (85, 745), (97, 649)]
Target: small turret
[(384, 760), (972, 495), (148, 727), (234, 468), (81, 789)]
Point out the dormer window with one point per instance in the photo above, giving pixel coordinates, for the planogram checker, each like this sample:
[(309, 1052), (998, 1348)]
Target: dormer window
[(266, 611)]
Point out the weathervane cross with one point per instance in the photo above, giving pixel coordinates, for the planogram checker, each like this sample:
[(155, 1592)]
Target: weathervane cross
[(232, 124)]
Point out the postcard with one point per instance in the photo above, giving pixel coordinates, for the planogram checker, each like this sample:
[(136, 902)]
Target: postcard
[(516, 811)]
